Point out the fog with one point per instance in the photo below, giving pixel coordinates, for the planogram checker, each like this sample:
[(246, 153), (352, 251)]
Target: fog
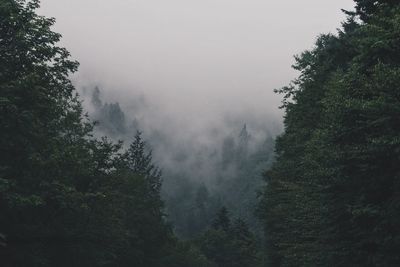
[(190, 74), (195, 61)]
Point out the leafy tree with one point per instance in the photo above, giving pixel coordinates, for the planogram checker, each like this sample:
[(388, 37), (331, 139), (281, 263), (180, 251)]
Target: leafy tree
[(67, 199), (42, 135)]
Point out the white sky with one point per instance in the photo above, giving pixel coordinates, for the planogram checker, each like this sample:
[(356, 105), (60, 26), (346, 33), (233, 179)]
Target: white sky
[(193, 58)]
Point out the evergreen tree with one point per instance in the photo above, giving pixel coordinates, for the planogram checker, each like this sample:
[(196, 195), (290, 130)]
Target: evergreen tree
[(96, 100), (67, 199), (229, 245), (244, 244), (109, 117), (244, 138), (222, 220), (331, 196), (139, 161)]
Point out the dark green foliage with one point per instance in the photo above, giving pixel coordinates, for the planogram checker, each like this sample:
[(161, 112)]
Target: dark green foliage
[(237, 172), (192, 198), (243, 179), (333, 195), (109, 117), (229, 244), (190, 207), (368, 8), (67, 199), (222, 220), (187, 254), (139, 161)]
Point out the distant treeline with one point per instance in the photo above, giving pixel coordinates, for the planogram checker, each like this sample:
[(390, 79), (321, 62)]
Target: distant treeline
[(197, 181)]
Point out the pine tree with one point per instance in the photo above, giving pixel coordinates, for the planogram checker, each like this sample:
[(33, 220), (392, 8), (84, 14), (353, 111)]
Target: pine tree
[(139, 161), (366, 9), (244, 244), (243, 144), (67, 199), (222, 220), (331, 196), (229, 244), (96, 99)]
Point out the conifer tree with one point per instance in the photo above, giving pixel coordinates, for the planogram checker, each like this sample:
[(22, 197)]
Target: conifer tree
[(331, 196), (67, 199), (222, 220), (139, 161)]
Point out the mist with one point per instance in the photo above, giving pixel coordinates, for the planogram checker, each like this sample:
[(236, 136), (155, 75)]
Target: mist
[(209, 133), (195, 61), (190, 74)]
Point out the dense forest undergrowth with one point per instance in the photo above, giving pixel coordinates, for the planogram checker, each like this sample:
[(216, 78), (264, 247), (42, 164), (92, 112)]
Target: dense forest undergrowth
[(331, 195)]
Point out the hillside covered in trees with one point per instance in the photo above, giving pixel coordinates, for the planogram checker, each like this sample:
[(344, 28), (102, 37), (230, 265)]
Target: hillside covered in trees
[(332, 197), (234, 163), (67, 198), (72, 194)]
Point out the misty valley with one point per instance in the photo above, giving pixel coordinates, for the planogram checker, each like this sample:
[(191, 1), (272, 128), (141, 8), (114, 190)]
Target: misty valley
[(198, 179), (97, 171)]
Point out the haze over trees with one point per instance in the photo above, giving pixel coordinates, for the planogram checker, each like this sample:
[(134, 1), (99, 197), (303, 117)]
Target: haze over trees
[(235, 163), (68, 199), (69, 196)]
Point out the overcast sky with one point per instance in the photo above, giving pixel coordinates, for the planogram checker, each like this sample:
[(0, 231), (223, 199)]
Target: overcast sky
[(193, 58)]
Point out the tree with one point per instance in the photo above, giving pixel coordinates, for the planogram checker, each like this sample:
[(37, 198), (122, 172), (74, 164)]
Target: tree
[(42, 134), (244, 138), (109, 117), (244, 244), (229, 245), (67, 199), (366, 9), (139, 161), (222, 220), (331, 195)]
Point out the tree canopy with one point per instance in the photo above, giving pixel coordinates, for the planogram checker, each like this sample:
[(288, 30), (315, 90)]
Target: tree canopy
[(66, 198), (332, 196)]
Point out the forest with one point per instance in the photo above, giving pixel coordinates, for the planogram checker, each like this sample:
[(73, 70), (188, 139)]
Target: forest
[(82, 183)]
